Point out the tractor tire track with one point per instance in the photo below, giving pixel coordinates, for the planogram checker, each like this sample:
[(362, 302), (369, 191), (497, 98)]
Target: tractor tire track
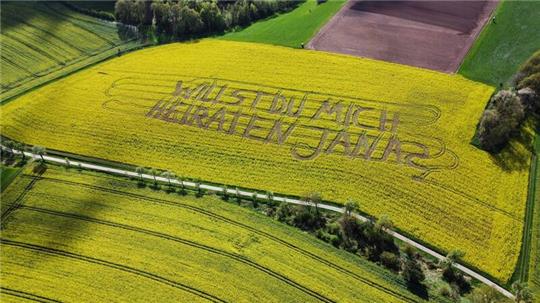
[(264, 234), (236, 257), (26, 295), (18, 202), (109, 264)]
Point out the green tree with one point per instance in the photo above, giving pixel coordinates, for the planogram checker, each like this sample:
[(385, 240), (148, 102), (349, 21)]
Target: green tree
[(140, 171), (351, 207), (183, 190), (383, 224), (225, 193), (270, 197), (168, 175), (20, 147), (124, 11), (162, 16), (154, 172), (200, 191), (9, 145), (313, 199), (40, 151), (238, 196), (211, 17), (412, 271)]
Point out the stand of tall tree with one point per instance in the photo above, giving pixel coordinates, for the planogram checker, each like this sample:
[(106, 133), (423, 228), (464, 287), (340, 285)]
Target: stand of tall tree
[(184, 19)]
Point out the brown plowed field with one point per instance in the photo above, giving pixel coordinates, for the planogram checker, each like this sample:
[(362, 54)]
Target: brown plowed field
[(429, 34)]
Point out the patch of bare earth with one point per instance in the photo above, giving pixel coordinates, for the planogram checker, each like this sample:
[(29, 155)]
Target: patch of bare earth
[(429, 34)]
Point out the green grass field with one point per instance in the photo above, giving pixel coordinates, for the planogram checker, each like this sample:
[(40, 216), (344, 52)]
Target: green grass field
[(118, 242), (40, 39), (292, 28), (504, 44)]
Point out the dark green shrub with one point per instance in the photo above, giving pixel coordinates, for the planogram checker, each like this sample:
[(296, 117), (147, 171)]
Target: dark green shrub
[(390, 261)]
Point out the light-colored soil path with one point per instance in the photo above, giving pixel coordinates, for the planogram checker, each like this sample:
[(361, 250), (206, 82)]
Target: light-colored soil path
[(248, 194)]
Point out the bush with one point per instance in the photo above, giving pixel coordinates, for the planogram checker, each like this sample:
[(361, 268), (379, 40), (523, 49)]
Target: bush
[(328, 238), (307, 219), (390, 261), (412, 272), (283, 212), (449, 292), (456, 278), (487, 294)]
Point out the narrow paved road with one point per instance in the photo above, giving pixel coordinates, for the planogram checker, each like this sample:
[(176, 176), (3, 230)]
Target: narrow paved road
[(214, 188)]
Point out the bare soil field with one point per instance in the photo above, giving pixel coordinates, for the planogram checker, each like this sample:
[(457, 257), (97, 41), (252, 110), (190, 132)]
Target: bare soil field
[(429, 34)]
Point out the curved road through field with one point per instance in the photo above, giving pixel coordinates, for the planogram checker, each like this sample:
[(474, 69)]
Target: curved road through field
[(244, 193)]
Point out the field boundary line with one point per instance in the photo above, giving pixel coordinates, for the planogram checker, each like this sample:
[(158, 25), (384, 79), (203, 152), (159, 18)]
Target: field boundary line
[(248, 194), (26, 295)]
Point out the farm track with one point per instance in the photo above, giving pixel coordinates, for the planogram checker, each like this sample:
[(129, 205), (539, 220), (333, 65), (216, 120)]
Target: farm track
[(26, 295), (193, 244), (124, 268), (241, 225)]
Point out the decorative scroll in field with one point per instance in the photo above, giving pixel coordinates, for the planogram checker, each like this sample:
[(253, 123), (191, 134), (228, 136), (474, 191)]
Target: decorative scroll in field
[(311, 124)]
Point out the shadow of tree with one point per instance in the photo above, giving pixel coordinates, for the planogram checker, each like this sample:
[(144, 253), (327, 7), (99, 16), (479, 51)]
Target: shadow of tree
[(419, 290), (516, 154)]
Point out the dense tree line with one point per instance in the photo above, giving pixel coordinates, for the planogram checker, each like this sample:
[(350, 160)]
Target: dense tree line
[(182, 19)]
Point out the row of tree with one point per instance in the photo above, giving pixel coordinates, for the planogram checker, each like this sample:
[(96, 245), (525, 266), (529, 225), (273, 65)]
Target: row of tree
[(508, 109), (182, 19)]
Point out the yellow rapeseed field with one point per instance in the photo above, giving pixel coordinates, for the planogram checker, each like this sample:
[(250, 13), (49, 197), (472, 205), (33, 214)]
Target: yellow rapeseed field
[(394, 138), (110, 241)]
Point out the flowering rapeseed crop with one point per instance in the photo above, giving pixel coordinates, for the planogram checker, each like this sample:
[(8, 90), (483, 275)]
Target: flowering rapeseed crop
[(395, 138), (156, 247)]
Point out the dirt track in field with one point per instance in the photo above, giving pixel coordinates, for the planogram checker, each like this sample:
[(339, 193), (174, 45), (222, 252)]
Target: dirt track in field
[(429, 34)]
